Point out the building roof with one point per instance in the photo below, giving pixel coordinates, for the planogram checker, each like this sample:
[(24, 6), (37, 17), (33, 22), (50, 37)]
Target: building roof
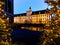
[(33, 12)]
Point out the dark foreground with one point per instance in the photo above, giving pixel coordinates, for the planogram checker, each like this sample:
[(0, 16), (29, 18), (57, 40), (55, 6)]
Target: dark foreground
[(25, 36)]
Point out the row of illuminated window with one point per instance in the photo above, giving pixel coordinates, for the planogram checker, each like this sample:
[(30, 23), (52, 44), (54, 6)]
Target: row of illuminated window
[(35, 19)]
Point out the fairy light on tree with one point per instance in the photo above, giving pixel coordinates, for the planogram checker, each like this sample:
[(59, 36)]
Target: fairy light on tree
[(4, 26), (52, 32)]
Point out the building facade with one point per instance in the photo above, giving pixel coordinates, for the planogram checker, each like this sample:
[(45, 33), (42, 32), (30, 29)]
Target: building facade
[(33, 17), (36, 17)]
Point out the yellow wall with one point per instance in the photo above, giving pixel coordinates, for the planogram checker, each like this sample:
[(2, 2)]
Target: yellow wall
[(35, 18)]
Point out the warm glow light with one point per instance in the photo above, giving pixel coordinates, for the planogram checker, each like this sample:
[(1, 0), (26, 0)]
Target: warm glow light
[(0, 5), (0, 9), (35, 18)]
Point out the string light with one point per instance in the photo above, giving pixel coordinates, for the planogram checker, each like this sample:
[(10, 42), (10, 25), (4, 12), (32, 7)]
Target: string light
[(4, 25), (53, 30)]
